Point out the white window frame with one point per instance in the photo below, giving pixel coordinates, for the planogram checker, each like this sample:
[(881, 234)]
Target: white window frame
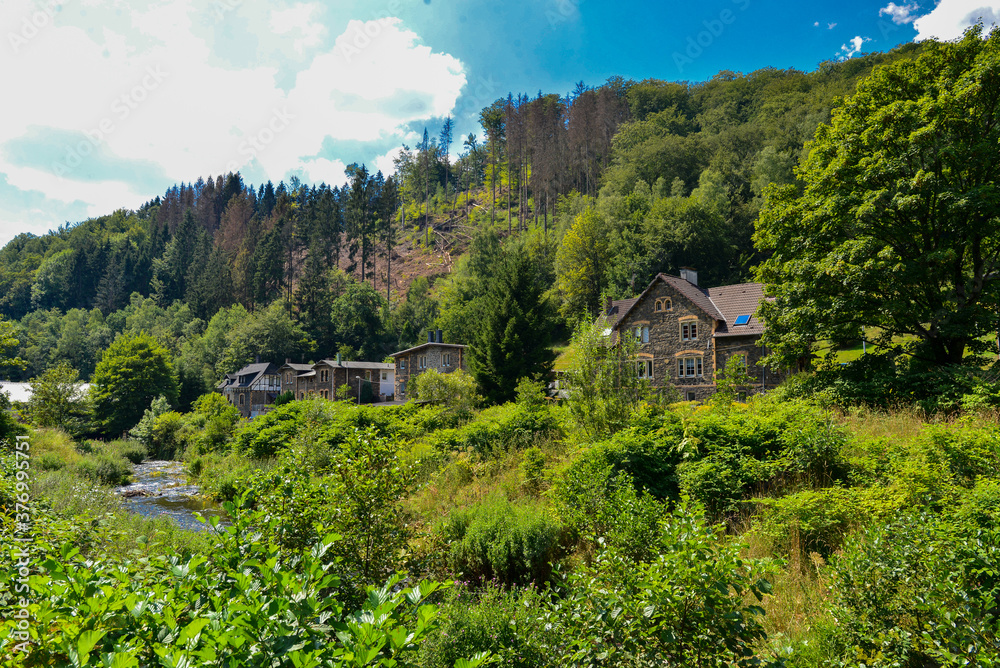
[(691, 366), (689, 330)]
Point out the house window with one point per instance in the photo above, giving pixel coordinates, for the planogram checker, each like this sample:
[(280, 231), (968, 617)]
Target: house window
[(691, 396), (738, 361), (402, 365), (446, 359), (324, 375), (422, 362), (689, 331), (402, 388), (385, 375), (663, 305), (646, 369), (241, 400), (689, 367), (642, 334)]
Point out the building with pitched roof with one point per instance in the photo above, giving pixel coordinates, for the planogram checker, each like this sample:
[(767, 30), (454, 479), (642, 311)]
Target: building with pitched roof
[(686, 333), (252, 389), (367, 381), (435, 354)]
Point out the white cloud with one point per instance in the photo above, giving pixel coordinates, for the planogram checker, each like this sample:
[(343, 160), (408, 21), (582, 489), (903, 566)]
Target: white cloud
[(816, 24), (301, 20), (852, 48), (900, 14), (831, 26), (151, 89), (951, 17)]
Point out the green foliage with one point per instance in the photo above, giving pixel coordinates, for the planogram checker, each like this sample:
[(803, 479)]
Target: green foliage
[(500, 541), (692, 604), (271, 334), (581, 264), (133, 371), (515, 332), (57, 400), (105, 469), (10, 428), (917, 136), (505, 623), (603, 386), (284, 398), (236, 608), (456, 390), (143, 430), (920, 590), (502, 429)]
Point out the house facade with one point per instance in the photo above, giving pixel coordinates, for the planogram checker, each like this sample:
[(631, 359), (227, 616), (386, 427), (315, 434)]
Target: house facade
[(367, 381), (435, 354), (252, 389), (686, 334)]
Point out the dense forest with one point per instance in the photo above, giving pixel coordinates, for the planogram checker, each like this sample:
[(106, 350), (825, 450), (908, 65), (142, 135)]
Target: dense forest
[(601, 189)]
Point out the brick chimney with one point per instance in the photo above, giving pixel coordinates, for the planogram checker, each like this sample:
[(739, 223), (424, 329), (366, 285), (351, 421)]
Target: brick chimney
[(689, 275), (607, 306)]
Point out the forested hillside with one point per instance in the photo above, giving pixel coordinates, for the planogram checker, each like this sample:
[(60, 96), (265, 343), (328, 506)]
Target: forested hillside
[(600, 190)]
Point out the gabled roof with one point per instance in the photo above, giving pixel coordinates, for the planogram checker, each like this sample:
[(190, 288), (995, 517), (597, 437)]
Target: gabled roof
[(723, 304), (618, 309), (425, 345), (357, 365), (734, 301), (295, 366), (248, 375)]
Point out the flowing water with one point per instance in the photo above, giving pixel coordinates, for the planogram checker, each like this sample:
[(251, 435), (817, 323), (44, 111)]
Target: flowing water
[(162, 488)]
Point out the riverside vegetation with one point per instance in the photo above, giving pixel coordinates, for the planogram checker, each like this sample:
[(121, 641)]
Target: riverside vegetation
[(776, 532)]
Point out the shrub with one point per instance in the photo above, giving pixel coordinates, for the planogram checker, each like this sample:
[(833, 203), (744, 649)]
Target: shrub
[(49, 461), (497, 540), (692, 604), (503, 622), (105, 469), (133, 451)]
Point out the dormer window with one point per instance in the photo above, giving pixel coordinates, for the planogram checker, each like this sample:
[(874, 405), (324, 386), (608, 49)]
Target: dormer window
[(661, 305)]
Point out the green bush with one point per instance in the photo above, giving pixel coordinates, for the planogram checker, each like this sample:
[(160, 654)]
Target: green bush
[(497, 540), (920, 590), (106, 469), (693, 604), (49, 461), (133, 451), (503, 622)]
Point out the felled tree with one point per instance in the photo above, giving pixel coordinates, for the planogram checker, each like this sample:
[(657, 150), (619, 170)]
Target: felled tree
[(896, 233)]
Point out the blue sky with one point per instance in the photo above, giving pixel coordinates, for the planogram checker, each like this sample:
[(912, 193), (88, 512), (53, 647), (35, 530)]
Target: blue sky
[(109, 102)]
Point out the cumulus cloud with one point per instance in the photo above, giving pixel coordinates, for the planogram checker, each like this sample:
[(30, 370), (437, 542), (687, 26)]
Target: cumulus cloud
[(900, 14), (144, 89), (301, 21), (951, 17), (852, 47)]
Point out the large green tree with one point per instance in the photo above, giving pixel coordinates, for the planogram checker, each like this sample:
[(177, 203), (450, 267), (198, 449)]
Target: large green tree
[(133, 371), (896, 233), (516, 327)]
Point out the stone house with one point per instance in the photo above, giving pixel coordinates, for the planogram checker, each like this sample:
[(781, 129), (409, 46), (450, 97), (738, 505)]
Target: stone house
[(435, 354), (687, 333), (369, 381), (252, 389)]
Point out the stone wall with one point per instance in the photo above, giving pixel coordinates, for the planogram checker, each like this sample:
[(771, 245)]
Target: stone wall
[(665, 340)]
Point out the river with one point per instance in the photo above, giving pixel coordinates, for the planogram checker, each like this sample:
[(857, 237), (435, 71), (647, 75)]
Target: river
[(162, 488)]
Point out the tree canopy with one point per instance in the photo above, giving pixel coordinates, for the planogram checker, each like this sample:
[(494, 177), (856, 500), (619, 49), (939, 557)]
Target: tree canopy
[(896, 234), (133, 371)]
